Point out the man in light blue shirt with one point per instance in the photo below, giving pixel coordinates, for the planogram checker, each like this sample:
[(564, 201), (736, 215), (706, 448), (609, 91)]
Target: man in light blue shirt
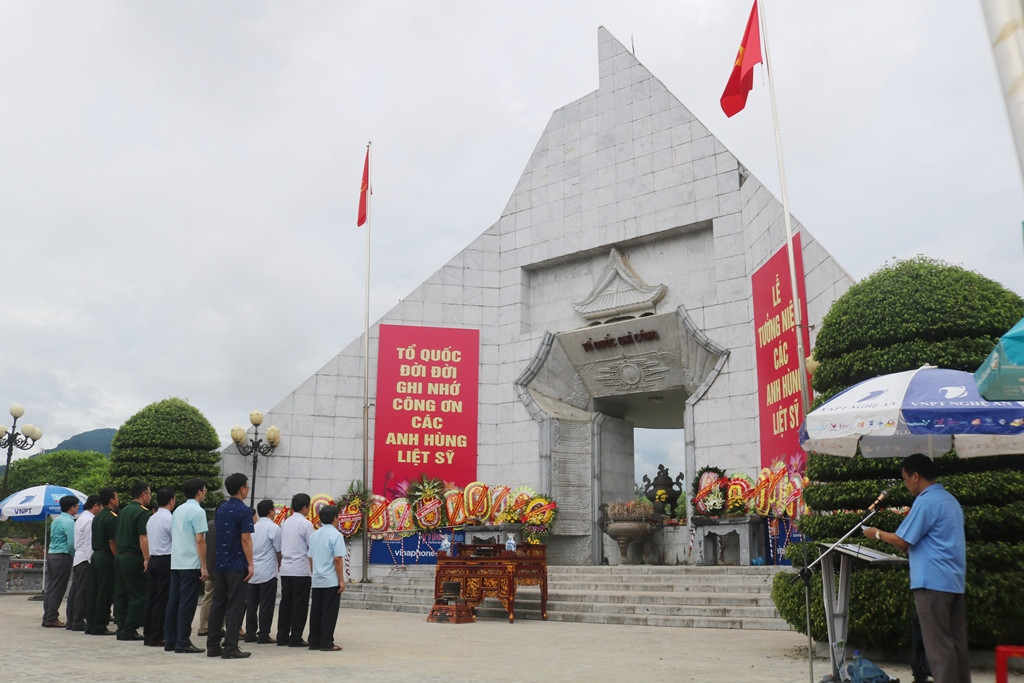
[(58, 561), (262, 591), (327, 564), (933, 536), (188, 568)]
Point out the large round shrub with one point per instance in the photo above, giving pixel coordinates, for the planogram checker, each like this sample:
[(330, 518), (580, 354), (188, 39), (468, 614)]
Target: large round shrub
[(164, 444), (905, 315)]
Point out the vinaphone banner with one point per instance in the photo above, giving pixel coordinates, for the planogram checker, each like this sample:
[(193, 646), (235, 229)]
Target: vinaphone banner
[(778, 367), (427, 404)]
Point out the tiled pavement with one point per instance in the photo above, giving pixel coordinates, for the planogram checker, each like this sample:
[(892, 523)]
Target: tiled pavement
[(403, 647)]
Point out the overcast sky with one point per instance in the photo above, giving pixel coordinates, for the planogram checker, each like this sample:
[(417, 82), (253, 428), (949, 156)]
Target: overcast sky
[(178, 180)]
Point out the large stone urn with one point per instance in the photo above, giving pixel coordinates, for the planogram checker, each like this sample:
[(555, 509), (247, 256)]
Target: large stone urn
[(626, 531)]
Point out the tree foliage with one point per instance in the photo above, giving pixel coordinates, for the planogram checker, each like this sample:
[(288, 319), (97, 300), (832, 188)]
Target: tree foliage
[(164, 444), (902, 316), (84, 471)]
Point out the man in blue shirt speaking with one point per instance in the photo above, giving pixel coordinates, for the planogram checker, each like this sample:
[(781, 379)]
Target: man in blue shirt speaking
[(933, 536)]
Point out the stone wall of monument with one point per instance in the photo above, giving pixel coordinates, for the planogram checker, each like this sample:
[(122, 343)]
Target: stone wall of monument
[(627, 167)]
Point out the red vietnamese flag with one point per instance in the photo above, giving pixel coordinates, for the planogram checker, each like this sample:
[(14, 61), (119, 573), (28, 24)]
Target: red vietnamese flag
[(364, 191), (741, 82)]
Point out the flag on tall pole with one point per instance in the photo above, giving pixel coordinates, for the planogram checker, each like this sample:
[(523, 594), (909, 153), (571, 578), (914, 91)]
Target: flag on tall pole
[(741, 81), (363, 217), (364, 192)]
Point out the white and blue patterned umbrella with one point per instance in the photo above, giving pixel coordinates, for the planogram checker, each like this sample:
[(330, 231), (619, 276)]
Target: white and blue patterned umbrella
[(36, 502), (929, 410)]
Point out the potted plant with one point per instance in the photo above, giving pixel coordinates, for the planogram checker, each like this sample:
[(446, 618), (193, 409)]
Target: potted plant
[(629, 521)]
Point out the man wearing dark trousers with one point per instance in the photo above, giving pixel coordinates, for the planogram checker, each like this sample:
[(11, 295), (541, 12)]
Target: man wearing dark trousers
[(296, 532), (158, 573), (266, 558), (78, 598), (188, 568), (59, 557), (234, 569), (101, 573), (327, 564), (131, 562)]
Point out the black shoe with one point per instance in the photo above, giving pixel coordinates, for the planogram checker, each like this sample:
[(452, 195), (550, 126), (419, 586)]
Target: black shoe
[(130, 636), (77, 628), (314, 647), (301, 643), (282, 642), (104, 632), (169, 648), (234, 654), (250, 640), (189, 649), (214, 652), (265, 641)]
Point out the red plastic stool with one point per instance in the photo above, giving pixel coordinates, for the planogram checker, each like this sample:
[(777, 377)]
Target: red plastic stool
[(1003, 653)]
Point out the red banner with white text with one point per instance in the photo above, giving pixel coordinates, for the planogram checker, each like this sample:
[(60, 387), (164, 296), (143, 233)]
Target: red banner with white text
[(778, 367), (427, 405)]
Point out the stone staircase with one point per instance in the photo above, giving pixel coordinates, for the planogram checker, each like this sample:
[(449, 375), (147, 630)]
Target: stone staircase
[(685, 596)]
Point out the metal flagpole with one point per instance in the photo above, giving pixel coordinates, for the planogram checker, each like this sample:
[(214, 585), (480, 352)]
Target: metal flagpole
[(366, 381), (797, 312)]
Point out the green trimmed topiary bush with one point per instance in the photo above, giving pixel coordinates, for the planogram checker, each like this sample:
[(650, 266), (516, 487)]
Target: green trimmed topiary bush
[(905, 315), (164, 444)]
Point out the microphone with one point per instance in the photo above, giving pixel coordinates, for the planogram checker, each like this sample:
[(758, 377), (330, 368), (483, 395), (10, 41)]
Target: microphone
[(881, 496)]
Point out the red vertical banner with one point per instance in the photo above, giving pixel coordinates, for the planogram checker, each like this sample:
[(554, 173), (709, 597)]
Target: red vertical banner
[(778, 367), (427, 406)]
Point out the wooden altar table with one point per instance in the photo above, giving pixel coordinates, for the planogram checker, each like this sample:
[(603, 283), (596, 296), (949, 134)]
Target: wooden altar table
[(487, 570)]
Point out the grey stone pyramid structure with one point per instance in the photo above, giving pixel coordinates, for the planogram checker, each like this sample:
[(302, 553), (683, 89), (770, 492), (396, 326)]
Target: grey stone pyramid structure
[(630, 219)]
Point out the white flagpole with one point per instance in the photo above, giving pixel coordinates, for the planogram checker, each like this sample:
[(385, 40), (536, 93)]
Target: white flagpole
[(366, 377), (797, 312)]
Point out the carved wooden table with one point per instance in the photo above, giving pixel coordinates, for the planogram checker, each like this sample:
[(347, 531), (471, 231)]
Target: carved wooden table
[(488, 571)]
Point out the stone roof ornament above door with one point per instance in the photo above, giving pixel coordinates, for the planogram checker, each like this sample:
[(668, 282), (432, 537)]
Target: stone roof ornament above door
[(619, 294)]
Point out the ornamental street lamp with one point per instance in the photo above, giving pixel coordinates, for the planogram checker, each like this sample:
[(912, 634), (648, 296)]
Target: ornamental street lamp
[(256, 446), (25, 439)]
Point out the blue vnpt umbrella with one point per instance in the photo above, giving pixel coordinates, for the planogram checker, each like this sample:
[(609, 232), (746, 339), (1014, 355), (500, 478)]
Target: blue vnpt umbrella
[(34, 504), (1001, 376), (929, 410)]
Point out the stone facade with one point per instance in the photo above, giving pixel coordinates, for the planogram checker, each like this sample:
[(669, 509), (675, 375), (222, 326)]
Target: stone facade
[(629, 221)]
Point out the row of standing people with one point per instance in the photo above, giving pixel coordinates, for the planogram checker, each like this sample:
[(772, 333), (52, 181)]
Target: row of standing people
[(150, 568)]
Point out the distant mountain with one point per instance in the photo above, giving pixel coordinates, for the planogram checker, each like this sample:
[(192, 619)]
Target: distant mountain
[(96, 440)]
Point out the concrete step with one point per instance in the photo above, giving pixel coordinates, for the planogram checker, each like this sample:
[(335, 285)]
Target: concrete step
[(681, 596)]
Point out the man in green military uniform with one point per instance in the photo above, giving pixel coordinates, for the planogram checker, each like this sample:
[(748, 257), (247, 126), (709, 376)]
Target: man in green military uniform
[(131, 560), (101, 573)]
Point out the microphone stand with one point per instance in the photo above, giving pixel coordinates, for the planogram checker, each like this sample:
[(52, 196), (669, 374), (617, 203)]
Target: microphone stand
[(806, 572)]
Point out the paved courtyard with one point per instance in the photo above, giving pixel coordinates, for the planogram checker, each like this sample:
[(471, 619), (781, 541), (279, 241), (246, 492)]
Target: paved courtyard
[(386, 646)]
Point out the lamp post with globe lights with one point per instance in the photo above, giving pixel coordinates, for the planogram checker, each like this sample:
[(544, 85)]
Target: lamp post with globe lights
[(9, 438), (255, 446)]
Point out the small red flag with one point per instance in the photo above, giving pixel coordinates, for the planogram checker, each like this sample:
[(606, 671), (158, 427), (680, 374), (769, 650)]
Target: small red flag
[(364, 191), (741, 81)]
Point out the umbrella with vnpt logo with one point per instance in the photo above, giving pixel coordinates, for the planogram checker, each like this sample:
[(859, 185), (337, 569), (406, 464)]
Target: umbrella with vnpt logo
[(1001, 376), (35, 503)]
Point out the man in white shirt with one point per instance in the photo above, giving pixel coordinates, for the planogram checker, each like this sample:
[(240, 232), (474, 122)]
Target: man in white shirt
[(262, 591), (158, 572), (296, 578), (76, 608)]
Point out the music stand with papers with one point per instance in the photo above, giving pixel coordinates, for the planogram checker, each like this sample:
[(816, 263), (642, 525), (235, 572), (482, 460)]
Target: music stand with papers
[(837, 597)]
